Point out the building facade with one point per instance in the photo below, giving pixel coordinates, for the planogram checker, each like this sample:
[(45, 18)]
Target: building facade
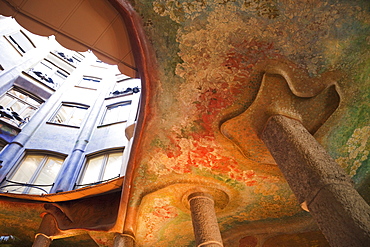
[(53, 95)]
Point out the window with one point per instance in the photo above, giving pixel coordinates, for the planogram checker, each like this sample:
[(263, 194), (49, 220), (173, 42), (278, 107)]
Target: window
[(17, 106), (70, 114), (20, 42), (117, 113), (101, 168), (34, 175), (89, 82), (48, 74), (3, 143), (70, 58), (125, 87)]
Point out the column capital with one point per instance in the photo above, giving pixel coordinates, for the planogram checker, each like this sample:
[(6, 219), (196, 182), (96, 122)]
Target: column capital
[(200, 194), (219, 198), (203, 215)]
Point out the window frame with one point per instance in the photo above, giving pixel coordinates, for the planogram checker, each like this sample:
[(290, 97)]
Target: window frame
[(25, 104), (76, 57), (103, 166), (83, 82), (55, 71), (29, 185), (129, 90), (15, 44), (111, 106), (3, 144), (75, 106)]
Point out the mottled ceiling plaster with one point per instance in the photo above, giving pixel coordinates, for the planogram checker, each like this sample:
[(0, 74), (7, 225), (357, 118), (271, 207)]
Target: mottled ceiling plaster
[(209, 56)]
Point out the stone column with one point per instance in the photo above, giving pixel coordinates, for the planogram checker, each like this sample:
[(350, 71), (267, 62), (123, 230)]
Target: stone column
[(206, 230), (41, 240), (48, 228), (123, 240), (319, 183)]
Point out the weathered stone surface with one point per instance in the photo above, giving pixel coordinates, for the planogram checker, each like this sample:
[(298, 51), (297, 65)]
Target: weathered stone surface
[(315, 178), (41, 241), (206, 230), (342, 215), (303, 161), (124, 240)]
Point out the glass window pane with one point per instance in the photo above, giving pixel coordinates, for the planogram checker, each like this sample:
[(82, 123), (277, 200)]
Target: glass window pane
[(58, 78), (21, 103), (27, 168), (77, 117), (12, 188), (30, 172), (92, 170), (5, 100), (47, 174), (89, 82), (27, 112), (24, 173), (123, 112), (109, 116), (17, 94), (36, 191), (63, 114), (63, 75), (17, 106), (32, 101), (45, 67), (117, 113), (25, 97), (23, 43), (49, 171), (113, 166), (70, 115)]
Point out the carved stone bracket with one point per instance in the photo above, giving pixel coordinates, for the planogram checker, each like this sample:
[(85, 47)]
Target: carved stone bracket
[(287, 91)]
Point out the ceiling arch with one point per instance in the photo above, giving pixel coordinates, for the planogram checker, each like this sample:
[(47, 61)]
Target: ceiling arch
[(78, 25)]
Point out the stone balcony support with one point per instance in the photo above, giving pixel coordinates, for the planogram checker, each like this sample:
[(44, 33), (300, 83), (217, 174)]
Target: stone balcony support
[(48, 228), (206, 229), (124, 240), (42, 240), (319, 183)]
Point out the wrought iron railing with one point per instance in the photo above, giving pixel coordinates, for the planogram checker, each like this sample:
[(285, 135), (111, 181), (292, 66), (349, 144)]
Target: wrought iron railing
[(18, 184), (95, 183)]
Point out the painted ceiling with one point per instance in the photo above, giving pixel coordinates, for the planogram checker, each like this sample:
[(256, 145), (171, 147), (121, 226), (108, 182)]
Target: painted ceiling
[(222, 64), (219, 69)]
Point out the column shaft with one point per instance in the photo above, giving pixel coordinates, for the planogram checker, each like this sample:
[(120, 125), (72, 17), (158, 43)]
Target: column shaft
[(319, 182), (48, 229), (124, 240), (206, 230), (41, 241)]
